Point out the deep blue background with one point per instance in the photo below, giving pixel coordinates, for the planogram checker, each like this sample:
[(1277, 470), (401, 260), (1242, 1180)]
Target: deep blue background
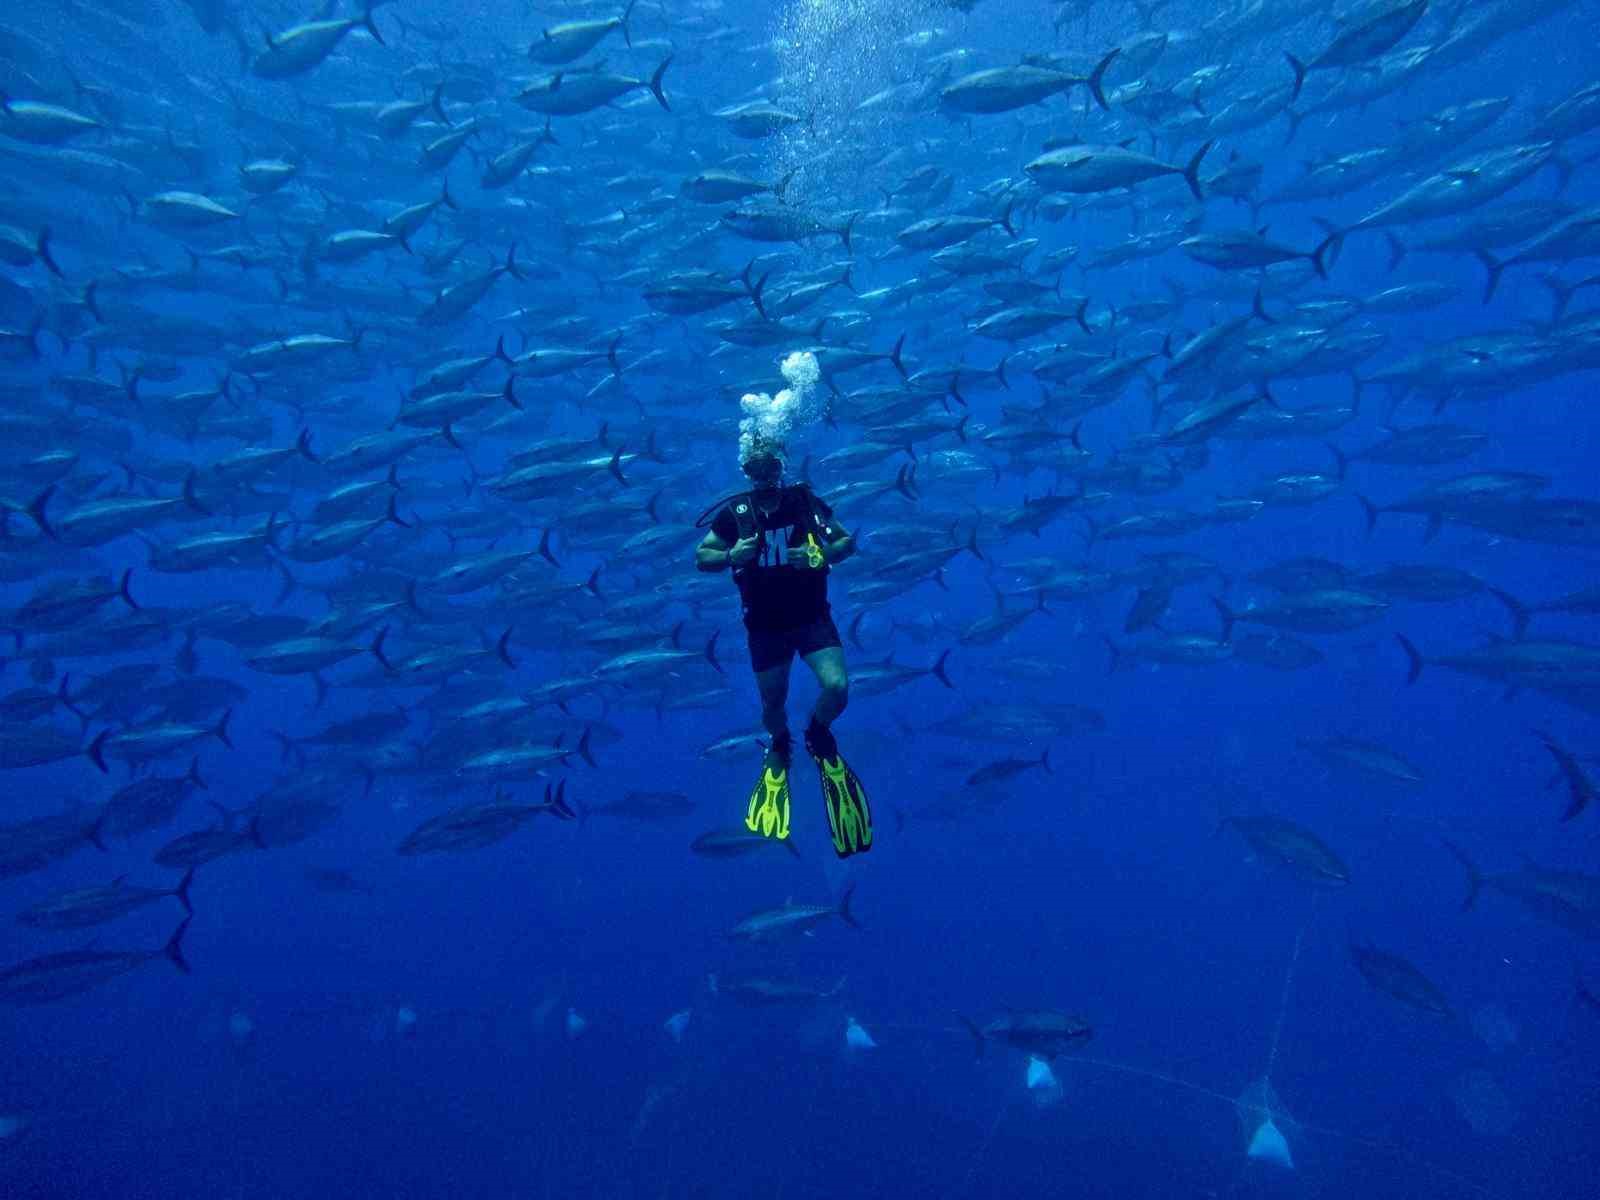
[(1099, 888)]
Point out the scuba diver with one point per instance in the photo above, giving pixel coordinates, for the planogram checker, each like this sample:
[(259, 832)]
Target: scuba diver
[(783, 584)]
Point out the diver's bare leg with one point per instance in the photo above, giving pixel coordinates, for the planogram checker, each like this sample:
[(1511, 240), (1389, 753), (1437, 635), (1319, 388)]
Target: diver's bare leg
[(773, 685), (828, 666)]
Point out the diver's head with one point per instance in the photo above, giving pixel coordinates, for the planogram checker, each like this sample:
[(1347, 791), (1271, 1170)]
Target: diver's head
[(764, 468)]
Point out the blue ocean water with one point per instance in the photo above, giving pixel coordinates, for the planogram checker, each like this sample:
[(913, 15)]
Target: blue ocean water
[(493, 1022)]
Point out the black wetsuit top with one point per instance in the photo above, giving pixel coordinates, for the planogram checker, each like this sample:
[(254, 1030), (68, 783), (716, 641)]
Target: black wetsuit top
[(777, 596)]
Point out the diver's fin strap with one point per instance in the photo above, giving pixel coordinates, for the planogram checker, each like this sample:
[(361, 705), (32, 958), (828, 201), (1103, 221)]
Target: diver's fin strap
[(849, 813), (768, 814)]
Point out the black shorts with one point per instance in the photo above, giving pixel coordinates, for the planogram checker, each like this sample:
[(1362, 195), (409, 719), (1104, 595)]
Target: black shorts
[(777, 648)]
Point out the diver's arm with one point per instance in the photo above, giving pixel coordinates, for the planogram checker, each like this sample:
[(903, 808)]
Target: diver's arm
[(713, 554), (842, 547)]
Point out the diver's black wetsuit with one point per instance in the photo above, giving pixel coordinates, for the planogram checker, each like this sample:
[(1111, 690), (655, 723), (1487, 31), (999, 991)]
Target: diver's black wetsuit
[(785, 608)]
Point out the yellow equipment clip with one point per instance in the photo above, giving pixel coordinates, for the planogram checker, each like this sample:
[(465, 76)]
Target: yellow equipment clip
[(814, 554)]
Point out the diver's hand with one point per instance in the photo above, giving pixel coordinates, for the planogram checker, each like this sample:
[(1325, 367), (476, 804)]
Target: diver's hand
[(807, 558), (743, 551)]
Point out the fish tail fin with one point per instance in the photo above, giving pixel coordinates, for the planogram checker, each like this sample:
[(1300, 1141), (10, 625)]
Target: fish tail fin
[(846, 914), (1560, 293), (64, 694), (1191, 173), (1520, 616), (189, 496), (1116, 655), (194, 775), (36, 510), (376, 650), (1258, 309), (502, 649), (1371, 510), (854, 632), (655, 83), (1397, 250), (1044, 761), (559, 805), (1319, 257), (583, 747), (221, 730), (1494, 267), (977, 1034), (939, 672), (711, 652), (756, 289), (182, 891), (894, 356), (1097, 79), (371, 25), (1228, 616), (1340, 459), (174, 947), (546, 553), (906, 483), (37, 325), (96, 832), (972, 545), (42, 249), (122, 590), (1299, 69), (1474, 876), (1413, 658), (96, 751)]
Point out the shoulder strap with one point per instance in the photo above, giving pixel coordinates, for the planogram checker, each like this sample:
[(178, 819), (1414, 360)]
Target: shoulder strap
[(815, 517), (744, 515)]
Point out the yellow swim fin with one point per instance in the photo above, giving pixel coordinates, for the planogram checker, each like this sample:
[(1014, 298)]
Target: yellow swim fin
[(768, 813), (843, 796)]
